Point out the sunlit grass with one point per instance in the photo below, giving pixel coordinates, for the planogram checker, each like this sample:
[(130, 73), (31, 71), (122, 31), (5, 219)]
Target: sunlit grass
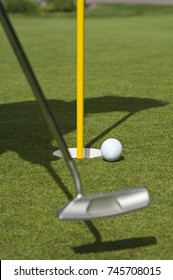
[(128, 95)]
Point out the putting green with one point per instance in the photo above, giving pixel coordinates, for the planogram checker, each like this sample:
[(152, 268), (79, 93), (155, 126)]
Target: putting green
[(128, 95)]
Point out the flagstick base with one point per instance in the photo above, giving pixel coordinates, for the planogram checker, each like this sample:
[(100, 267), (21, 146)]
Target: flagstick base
[(87, 152)]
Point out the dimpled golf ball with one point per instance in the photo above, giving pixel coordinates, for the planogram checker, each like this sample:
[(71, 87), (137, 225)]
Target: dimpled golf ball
[(111, 149)]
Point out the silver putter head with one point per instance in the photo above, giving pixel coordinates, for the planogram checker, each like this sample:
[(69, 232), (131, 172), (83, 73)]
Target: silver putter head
[(104, 205)]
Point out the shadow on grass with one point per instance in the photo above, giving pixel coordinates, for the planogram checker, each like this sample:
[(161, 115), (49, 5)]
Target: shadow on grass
[(98, 245), (23, 130), (123, 244)]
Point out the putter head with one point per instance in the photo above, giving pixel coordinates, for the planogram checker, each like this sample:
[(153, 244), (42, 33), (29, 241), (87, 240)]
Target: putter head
[(104, 205)]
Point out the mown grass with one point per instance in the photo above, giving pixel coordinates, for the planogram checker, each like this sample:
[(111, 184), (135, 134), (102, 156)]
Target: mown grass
[(125, 10), (128, 95)]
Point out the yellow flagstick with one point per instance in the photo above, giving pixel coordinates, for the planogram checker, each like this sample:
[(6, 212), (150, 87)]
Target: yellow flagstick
[(80, 77), (80, 152)]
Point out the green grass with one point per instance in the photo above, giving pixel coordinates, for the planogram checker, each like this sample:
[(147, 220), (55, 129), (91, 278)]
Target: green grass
[(128, 10), (128, 95)]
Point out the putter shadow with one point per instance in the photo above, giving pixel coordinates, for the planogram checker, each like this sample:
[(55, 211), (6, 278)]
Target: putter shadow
[(122, 244), (59, 182), (65, 190), (99, 246)]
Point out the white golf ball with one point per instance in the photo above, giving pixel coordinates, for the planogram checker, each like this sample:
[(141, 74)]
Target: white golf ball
[(111, 149)]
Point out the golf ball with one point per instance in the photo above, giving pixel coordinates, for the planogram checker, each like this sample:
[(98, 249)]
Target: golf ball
[(111, 149)]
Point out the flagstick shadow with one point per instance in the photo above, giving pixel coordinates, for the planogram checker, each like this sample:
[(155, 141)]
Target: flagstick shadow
[(109, 129)]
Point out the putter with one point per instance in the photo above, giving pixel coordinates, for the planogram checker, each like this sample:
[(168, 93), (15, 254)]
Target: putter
[(81, 207)]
